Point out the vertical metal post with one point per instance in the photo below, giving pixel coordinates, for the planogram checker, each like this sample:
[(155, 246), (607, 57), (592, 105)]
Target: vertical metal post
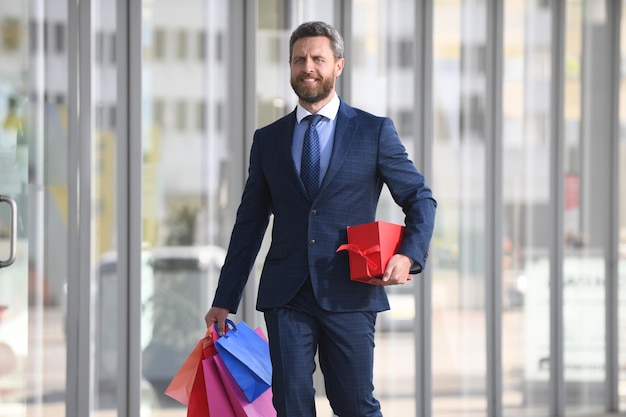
[(123, 41), (84, 279), (242, 34), (614, 10), (557, 389), (493, 213), (344, 18), (71, 385), (133, 190), (423, 52)]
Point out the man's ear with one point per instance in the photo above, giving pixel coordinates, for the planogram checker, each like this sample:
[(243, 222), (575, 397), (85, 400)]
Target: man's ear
[(339, 66)]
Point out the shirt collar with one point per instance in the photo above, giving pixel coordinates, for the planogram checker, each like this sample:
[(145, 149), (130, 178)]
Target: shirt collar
[(329, 111)]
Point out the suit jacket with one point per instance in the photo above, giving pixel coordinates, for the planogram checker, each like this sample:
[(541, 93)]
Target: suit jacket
[(367, 152)]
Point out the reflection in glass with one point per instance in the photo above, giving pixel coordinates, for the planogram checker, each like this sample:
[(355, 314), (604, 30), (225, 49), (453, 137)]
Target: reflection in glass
[(382, 68), (585, 180), (458, 246), (16, 306), (187, 161), (104, 177), (33, 97), (526, 177)]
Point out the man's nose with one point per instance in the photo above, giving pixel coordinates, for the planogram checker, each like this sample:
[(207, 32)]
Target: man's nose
[(308, 64)]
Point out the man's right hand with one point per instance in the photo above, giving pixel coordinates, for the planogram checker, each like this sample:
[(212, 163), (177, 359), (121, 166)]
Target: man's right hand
[(217, 315)]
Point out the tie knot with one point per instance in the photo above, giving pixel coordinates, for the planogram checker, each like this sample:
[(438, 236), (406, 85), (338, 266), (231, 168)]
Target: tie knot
[(314, 119)]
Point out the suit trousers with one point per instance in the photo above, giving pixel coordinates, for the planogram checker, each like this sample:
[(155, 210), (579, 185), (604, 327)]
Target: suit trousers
[(344, 343)]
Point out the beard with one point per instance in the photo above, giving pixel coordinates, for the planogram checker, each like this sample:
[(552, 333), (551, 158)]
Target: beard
[(313, 94)]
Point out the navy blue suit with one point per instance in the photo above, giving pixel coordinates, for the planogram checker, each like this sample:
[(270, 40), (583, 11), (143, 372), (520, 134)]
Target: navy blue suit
[(367, 153)]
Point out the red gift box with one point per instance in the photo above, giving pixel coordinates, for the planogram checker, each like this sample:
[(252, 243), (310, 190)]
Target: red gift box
[(370, 246)]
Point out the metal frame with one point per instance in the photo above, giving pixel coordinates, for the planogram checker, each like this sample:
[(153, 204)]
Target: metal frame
[(242, 81), (343, 13), (79, 322), (557, 386), (493, 212), (122, 46), (85, 341), (423, 52), (129, 188), (614, 11), (73, 244)]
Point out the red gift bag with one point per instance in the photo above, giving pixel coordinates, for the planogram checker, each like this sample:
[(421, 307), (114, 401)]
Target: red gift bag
[(198, 405), (370, 246)]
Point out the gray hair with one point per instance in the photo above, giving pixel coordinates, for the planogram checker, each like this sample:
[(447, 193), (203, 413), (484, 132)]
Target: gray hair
[(311, 29)]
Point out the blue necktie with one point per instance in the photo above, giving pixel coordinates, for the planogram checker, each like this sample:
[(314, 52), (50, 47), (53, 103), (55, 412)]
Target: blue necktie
[(310, 164)]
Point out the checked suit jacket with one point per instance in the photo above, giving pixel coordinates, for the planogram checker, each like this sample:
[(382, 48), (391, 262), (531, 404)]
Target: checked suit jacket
[(367, 152)]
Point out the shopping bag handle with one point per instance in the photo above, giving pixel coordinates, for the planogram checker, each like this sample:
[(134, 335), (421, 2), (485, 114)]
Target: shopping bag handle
[(228, 323)]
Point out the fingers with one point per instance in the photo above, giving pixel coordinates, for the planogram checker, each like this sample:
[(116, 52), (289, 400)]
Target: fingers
[(209, 319), (397, 272), (389, 280), (217, 315)]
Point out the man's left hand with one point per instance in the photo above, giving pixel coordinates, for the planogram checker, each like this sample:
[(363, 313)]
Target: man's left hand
[(397, 271)]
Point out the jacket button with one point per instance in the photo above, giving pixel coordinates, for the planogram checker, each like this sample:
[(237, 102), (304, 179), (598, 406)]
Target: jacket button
[(311, 242), (312, 212)]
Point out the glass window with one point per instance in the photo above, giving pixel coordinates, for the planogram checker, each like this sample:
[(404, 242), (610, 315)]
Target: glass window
[(59, 38), (200, 120), (158, 47), (99, 47), (158, 113), (33, 174), (458, 246), (382, 82), (104, 213), (586, 175), (181, 115), (188, 166), (201, 45), (527, 231), (181, 45)]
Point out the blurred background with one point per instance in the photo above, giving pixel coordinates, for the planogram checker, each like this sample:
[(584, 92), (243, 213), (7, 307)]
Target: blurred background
[(125, 128)]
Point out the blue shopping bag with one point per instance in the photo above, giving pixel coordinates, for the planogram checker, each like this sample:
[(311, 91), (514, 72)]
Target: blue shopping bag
[(247, 357)]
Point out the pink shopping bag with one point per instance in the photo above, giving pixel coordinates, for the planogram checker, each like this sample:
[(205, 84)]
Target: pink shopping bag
[(216, 392), (261, 407)]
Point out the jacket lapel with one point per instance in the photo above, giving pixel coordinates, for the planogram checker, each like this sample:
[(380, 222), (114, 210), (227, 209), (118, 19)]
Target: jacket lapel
[(344, 135), (285, 144)]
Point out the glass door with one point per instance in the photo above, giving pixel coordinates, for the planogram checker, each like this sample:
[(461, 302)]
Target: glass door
[(190, 155), (33, 209)]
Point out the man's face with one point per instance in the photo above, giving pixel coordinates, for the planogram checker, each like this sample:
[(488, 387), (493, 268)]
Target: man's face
[(314, 69)]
